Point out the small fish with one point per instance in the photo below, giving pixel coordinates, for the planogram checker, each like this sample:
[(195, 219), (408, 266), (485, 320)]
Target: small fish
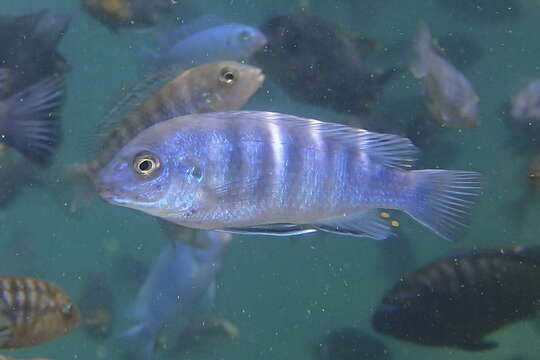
[(202, 333), (210, 87), (461, 298), (97, 307), (116, 14), (29, 119), (206, 39), (33, 312), (181, 277), (449, 95), (350, 343), (268, 173), (525, 105)]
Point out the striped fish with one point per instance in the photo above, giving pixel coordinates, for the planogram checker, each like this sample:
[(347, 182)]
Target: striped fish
[(211, 87), (269, 173), (461, 298), (33, 311)]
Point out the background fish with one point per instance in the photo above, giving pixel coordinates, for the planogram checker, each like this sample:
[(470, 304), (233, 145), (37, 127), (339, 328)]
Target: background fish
[(33, 311), (270, 173), (203, 40), (29, 119), (449, 95), (459, 299), (166, 300), (319, 63), (210, 87)]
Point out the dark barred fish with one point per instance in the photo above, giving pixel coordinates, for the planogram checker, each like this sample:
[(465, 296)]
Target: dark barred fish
[(206, 88), (458, 300), (268, 173), (33, 312)]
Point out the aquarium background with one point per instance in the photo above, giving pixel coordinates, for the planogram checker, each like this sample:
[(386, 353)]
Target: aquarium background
[(284, 293)]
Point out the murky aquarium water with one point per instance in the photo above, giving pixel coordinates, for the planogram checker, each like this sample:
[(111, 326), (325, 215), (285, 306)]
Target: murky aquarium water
[(287, 179)]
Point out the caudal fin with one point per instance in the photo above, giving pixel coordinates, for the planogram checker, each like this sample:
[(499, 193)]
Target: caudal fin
[(443, 200), (72, 186), (31, 124)]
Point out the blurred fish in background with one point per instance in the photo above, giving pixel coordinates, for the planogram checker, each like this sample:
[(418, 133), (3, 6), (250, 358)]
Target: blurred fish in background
[(459, 299), (97, 307), (31, 97), (350, 343), (461, 49), (203, 40), (448, 94), (33, 311), (6, 357), (160, 96), (181, 278), (129, 271), (29, 47), (201, 335), (522, 117), (117, 14), (319, 63)]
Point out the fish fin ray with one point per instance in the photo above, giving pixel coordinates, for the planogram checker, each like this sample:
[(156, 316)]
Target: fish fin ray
[(272, 229), (365, 223), (444, 200), (32, 127)]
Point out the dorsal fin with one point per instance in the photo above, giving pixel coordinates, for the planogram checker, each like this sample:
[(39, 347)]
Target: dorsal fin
[(131, 99), (385, 149)]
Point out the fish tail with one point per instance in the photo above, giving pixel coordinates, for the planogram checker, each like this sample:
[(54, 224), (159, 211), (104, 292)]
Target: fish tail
[(138, 342), (443, 200), (31, 125), (72, 186)]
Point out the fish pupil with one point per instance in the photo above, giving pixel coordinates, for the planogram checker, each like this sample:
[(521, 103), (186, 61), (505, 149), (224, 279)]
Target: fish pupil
[(145, 166)]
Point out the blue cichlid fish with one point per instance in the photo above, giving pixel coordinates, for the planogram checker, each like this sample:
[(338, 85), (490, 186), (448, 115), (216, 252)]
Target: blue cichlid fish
[(181, 277), (205, 40), (270, 173)]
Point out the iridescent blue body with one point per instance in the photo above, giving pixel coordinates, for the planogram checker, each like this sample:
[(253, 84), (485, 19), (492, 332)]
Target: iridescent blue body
[(181, 276), (261, 172), (227, 41)]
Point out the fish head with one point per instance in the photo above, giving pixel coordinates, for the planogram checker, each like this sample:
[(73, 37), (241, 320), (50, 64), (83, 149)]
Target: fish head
[(243, 41), (157, 172), (399, 315), (66, 316), (225, 85)]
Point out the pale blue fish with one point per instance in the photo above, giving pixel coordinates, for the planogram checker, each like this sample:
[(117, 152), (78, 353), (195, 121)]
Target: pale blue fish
[(270, 173), (206, 39), (181, 277)]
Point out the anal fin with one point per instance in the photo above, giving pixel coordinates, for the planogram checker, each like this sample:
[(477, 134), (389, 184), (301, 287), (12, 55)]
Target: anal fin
[(366, 223)]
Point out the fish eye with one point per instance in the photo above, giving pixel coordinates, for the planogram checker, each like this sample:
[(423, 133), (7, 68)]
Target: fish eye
[(228, 76), (245, 35), (66, 308), (145, 164)]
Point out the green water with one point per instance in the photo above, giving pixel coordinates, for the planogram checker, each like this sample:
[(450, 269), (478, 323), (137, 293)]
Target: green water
[(282, 293)]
